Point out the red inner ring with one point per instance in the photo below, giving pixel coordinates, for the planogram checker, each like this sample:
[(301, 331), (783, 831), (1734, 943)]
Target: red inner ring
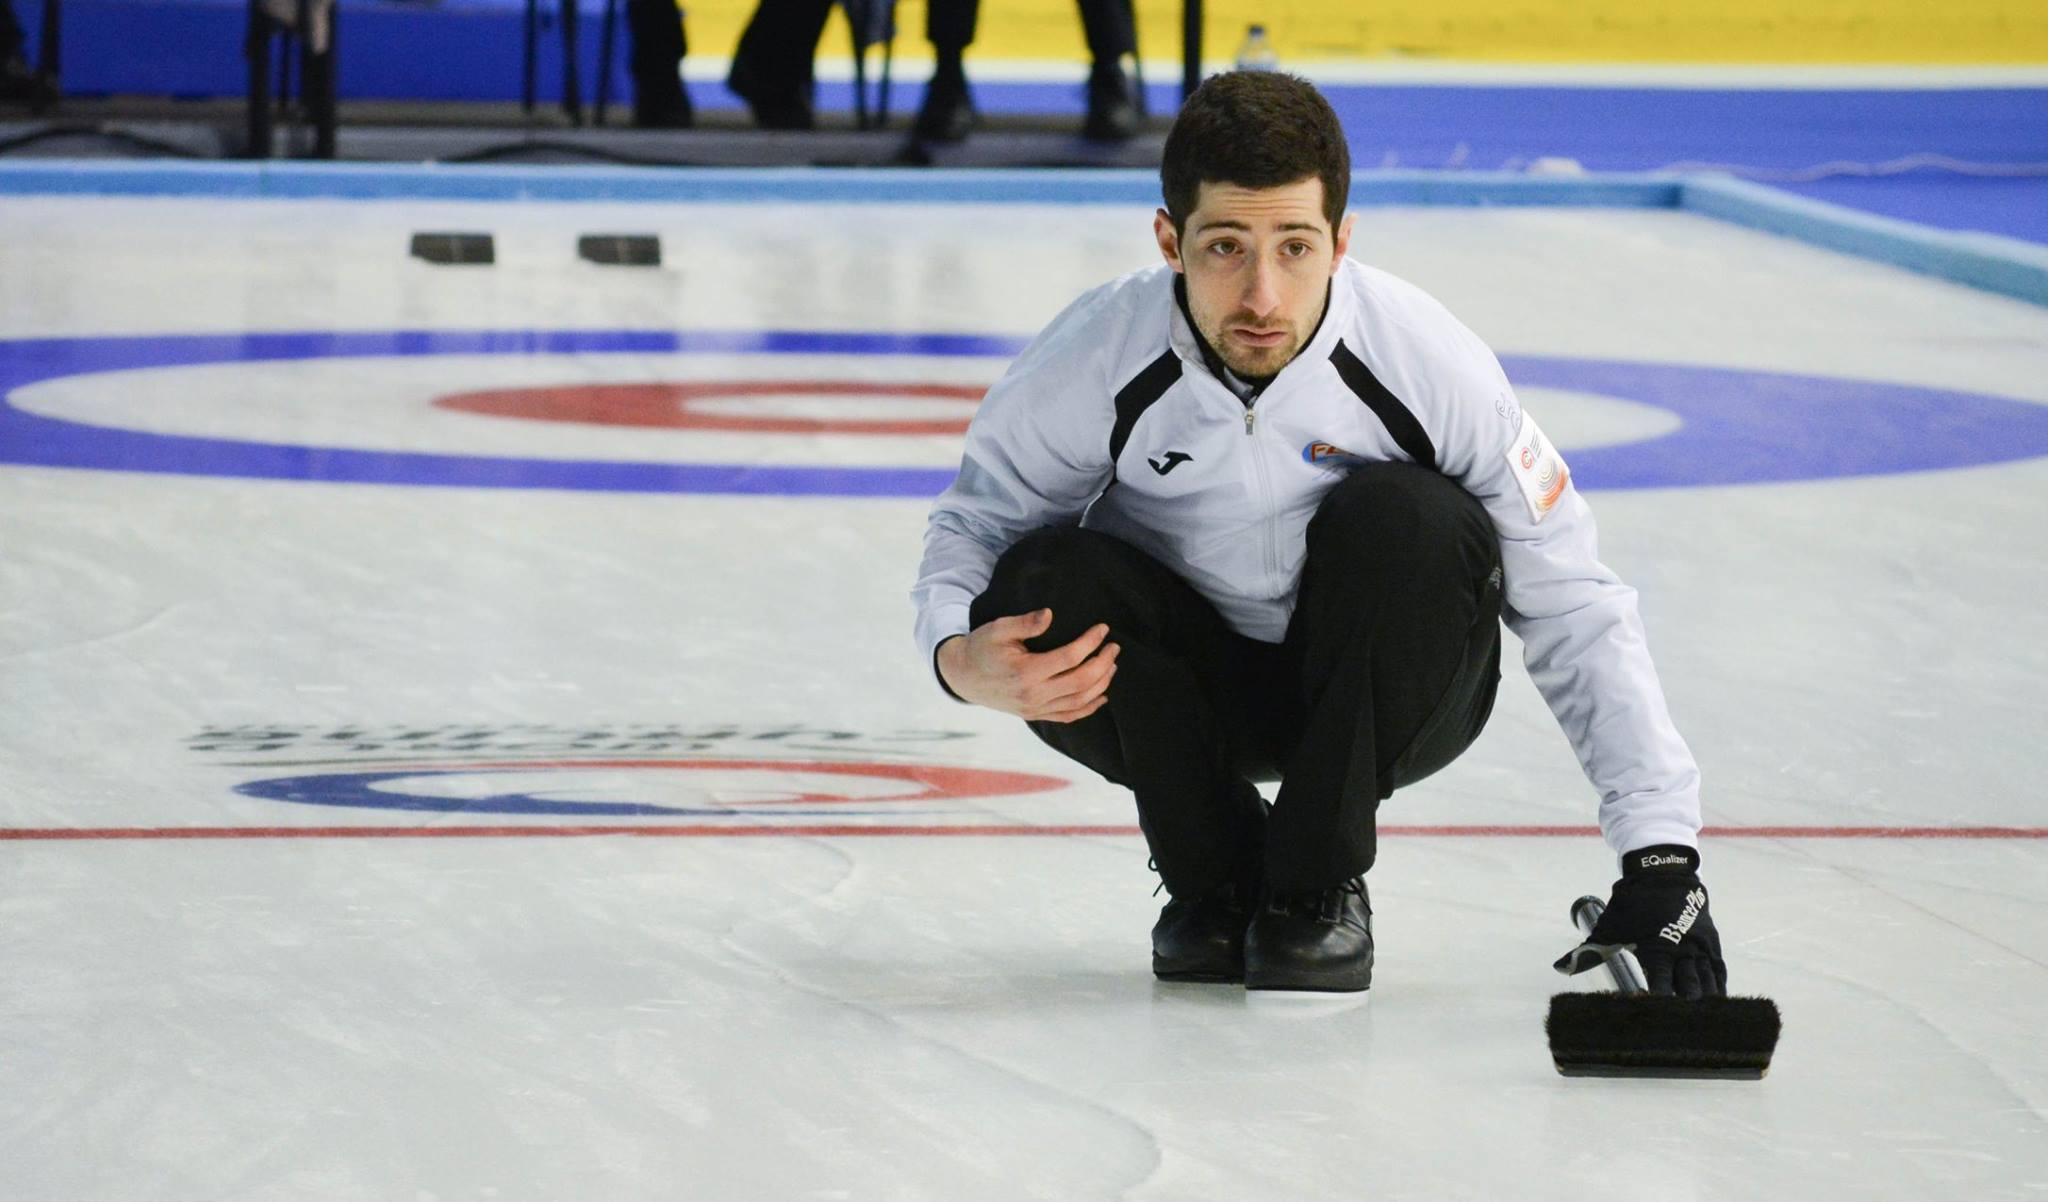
[(666, 405)]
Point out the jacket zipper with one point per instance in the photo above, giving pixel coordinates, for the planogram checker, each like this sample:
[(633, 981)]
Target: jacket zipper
[(1266, 537)]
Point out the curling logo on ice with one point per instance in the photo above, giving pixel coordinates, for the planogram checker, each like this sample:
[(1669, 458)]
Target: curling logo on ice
[(364, 743), (1695, 902)]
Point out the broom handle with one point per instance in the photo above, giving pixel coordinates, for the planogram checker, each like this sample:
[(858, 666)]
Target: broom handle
[(1622, 966)]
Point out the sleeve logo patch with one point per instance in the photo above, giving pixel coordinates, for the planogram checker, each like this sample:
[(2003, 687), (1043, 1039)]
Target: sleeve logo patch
[(1538, 469)]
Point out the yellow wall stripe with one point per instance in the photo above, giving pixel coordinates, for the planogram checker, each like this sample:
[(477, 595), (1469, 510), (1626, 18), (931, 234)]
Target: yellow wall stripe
[(1559, 31)]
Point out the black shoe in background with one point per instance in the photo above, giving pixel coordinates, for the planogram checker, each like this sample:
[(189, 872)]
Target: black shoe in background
[(23, 84), (1201, 938), (1113, 110), (667, 112), (681, 118), (775, 103), (1313, 943), (948, 112)]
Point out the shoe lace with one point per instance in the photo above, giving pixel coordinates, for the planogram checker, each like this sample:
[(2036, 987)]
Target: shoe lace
[(1326, 904), (1333, 899)]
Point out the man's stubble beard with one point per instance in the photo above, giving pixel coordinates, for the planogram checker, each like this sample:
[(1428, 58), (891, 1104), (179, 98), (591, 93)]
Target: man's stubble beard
[(1269, 363)]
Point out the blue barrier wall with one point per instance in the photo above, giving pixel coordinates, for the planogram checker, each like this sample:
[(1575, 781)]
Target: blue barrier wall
[(399, 49), (472, 50)]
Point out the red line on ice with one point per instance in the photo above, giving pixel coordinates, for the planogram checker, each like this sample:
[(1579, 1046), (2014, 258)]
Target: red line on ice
[(707, 830)]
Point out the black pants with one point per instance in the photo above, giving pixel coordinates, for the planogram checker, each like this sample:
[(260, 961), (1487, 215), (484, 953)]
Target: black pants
[(11, 37), (658, 48), (781, 39), (1387, 673)]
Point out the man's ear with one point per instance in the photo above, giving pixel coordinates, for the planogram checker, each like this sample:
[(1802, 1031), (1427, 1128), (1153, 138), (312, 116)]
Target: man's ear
[(1169, 241), (1343, 241)]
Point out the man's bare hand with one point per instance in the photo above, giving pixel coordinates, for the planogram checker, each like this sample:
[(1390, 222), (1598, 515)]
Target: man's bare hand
[(990, 666)]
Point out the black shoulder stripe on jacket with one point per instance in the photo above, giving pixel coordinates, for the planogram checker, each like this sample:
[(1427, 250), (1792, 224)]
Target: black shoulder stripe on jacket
[(1137, 396), (1385, 405)]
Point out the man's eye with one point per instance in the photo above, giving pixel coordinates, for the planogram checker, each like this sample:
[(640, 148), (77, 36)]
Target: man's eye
[(1225, 247), (1297, 249)]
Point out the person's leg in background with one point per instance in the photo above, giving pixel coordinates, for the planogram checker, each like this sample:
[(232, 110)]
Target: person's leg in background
[(18, 80), (11, 37), (1395, 643), (947, 114), (773, 66), (1171, 730), (1114, 105), (659, 101)]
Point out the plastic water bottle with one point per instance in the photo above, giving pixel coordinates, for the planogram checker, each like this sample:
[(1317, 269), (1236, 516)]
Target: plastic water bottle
[(1257, 53)]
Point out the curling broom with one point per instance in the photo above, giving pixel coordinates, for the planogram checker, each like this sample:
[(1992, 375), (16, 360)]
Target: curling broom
[(1632, 1032)]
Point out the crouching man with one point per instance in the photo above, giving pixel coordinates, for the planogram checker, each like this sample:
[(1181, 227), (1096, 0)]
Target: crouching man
[(1257, 513)]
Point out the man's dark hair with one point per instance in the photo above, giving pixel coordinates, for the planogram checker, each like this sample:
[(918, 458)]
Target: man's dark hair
[(1255, 129)]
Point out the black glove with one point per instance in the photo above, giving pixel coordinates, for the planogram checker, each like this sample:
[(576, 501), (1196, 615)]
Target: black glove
[(1659, 911)]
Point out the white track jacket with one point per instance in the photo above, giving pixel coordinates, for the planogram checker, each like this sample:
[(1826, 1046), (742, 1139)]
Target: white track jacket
[(1117, 389)]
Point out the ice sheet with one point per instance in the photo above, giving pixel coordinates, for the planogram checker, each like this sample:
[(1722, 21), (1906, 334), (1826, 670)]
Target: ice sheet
[(395, 1004)]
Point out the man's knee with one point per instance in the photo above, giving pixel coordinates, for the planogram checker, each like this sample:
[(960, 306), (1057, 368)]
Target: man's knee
[(1398, 512), (1061, 568), (1036, 568)]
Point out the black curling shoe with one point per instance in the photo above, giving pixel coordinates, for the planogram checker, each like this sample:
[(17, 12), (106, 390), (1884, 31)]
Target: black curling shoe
[(777, 101), (1201, 938), (1115, 110), (22, 83), (1312, 942), (948, 113)]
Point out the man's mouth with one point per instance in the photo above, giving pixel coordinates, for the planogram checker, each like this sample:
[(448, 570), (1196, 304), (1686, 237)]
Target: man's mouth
[(1257, 337)]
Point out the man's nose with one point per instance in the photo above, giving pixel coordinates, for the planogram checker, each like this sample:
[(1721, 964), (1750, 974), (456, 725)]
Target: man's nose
[(1262, 290)]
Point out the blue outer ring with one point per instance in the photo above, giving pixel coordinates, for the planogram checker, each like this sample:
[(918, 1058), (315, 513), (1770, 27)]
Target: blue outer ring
[(1737, 427)]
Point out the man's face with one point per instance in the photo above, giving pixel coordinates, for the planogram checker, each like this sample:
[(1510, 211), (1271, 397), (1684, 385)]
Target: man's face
[(1258, 263)]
